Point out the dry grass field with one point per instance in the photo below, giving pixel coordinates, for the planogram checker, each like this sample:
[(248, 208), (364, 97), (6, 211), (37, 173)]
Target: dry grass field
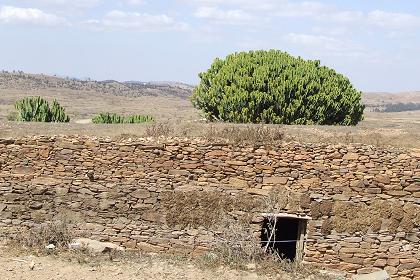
[(176, 116)]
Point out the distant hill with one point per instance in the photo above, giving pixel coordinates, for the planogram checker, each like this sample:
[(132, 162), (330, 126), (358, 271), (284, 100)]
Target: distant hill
[(23, 81), (380, 100), (374, 101)]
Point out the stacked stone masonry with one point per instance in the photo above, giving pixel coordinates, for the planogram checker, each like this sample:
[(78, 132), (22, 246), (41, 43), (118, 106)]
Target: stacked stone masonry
[(364, 201)]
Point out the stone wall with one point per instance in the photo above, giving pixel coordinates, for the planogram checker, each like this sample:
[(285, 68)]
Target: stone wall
[(167, 195)]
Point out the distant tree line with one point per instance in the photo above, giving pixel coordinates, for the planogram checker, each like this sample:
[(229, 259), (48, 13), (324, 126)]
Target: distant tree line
[(398, 107)]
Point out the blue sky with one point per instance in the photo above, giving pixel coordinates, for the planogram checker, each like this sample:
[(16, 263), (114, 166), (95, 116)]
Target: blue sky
[(375, 43)]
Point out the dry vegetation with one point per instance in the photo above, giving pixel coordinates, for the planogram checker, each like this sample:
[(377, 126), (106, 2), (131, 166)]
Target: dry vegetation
[(236, 255), (175, 115)]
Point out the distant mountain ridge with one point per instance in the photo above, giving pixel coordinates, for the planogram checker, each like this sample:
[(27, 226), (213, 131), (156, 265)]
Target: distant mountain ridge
[(23, 81), (28, 82)]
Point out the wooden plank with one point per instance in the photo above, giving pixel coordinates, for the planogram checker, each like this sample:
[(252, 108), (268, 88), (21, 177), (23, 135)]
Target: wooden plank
[(285, 215)]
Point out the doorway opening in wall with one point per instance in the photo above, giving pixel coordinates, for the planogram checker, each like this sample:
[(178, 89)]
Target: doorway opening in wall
[(284, 234)]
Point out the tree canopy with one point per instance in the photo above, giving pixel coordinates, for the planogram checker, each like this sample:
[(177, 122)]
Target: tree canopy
[(275, 87)]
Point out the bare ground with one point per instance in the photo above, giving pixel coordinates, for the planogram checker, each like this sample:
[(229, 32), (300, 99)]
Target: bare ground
[(20, 265)]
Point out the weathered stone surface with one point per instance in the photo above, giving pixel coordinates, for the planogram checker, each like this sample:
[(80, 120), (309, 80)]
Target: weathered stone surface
[(381, 178), (46, 181), (258, 191), (276, 180), (378, 275), (94, 245), (351, 156), (153, 196), (238, 183), (141, 194)]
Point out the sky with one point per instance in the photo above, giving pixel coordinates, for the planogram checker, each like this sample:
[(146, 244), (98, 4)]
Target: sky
[(374, 43)]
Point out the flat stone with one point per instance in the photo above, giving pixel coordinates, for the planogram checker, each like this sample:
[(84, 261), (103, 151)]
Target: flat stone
[(378, 275), (413, 188), (275, 180), (258, 191), (238, 183), (236, 163), (381, 178), (94, 245), (144, 246), (46, 181), (141, 194), (351, 156), (216, 153)]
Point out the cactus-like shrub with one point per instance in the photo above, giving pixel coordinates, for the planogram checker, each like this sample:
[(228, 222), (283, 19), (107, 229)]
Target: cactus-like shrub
[(275, 87), (37, 109), (108, 118)]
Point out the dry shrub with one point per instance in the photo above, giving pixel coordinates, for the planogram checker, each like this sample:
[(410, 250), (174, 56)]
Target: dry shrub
[(340, 224), (326, 207), (316, 210), (236, 244), (125, 136), (305, 201), (245, 134), (278, 199), (393, 225), (294, 201), (397, 211), (57, 233), (381, 208), (237, 247), (376, 223), (158, 129), (351, 217), (327, 226), (406, 223), (201, 208), (417, 216)]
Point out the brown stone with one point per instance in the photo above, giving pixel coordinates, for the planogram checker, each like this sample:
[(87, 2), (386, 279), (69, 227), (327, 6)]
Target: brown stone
[(413, 188), (380, 263), (153, 217), (381, 178), (238, 183), (275, 180), (141, 194), (46, 181), (216, 153), (258, 191), (351, 156), (236, 163), (144, 246)]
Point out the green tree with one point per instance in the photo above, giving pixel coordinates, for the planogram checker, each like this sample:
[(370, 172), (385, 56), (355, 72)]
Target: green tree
[(275, 87)]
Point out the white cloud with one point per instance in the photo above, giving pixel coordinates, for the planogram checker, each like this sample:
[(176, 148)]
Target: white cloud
[(314, 10), (63, 5), (118, 20), (133, 2), (393, 20), (16, 15), (327, 45), (234, 17)]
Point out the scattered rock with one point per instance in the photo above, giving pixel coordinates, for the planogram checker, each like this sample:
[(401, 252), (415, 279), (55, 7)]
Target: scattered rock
[(94, 245), (378, 275), (50, 247), (32, 265)]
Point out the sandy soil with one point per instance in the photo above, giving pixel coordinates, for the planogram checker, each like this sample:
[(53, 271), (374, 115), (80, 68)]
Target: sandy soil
[(49, 267), (17, 263)]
